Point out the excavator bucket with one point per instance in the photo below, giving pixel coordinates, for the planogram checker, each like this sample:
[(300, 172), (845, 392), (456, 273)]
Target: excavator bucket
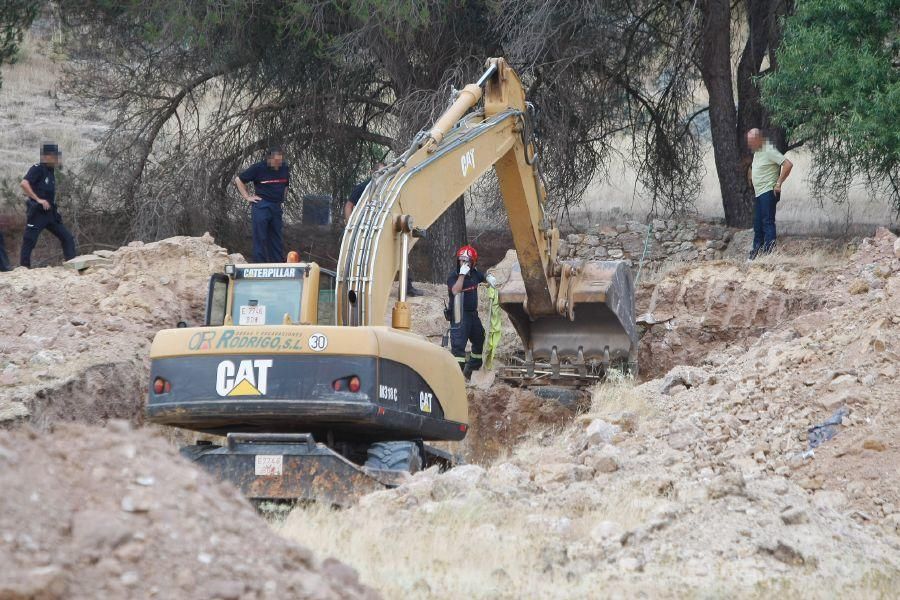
[(595, 332)]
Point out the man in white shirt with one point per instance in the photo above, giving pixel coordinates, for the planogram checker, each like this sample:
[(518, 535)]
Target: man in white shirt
[(767, 173)]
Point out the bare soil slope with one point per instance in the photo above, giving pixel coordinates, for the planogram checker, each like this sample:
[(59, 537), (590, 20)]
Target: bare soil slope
[(75, 346), (111, 513), (700, 483)]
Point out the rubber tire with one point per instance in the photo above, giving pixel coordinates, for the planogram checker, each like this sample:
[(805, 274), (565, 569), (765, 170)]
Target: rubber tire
[(394, 456)]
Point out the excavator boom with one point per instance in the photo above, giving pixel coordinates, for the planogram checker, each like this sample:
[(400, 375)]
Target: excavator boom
[(569, 314)]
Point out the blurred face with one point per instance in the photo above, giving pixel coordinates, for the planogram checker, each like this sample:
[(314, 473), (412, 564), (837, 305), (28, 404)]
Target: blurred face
[(51, 160), (754, 140), (275, 160)]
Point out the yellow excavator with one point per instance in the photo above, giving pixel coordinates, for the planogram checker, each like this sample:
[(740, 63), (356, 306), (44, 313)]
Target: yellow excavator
[(316, 396)]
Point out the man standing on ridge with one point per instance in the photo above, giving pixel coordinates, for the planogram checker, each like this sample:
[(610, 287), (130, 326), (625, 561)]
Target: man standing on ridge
[(769, 170), (270, 178), (39, 186)]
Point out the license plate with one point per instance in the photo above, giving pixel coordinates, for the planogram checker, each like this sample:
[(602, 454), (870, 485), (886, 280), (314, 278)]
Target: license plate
[(252, 315), (268, 465)]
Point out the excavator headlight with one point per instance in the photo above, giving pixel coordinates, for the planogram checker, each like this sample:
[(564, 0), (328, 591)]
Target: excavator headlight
[(354, 384), (229, 269)]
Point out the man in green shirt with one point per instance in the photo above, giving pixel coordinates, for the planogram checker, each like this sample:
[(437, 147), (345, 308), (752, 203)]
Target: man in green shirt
[(769, 170)]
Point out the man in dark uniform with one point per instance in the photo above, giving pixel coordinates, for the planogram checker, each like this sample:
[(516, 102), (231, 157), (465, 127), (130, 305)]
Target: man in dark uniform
[(270, 179), (354, 198), (465, 282), (4, 259), (41, 212), (357, 192)]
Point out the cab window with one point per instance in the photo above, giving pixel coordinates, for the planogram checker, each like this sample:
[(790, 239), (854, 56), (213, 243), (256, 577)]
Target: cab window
[(325, 312), (266, 301), (217, 299)]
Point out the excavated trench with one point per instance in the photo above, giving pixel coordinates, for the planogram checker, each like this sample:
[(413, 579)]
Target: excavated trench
[(693, 310), (89, 363)]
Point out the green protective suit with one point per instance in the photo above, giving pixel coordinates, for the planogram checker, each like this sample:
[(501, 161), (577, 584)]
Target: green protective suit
[(493, 336)]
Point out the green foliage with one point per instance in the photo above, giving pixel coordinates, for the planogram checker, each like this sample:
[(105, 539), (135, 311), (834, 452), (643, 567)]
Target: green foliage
[(15, 17), (837, 90)]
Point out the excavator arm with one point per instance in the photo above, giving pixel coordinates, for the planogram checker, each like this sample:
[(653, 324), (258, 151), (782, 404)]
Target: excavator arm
[(403, 199)]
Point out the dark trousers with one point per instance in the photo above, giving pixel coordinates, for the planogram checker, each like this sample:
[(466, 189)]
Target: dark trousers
[(39, 220), (764, 223), (469, 329), (4, 259), (267, 223)]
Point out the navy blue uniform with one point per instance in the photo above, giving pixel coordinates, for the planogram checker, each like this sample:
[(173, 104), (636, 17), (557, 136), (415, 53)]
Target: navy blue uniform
[(43, 182), (270, 185), (470, 327), (357, 191), (4, 259)]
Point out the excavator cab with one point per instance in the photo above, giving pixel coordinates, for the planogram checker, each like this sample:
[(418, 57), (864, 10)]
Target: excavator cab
[(271, 295)]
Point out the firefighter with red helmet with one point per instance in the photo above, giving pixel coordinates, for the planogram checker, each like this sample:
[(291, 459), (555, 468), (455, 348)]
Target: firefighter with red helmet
[(465, 325)]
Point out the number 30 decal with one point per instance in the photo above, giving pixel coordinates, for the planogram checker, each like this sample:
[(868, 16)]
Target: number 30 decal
[(318, 342)]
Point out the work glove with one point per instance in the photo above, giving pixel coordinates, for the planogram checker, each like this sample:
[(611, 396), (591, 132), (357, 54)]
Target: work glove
[(492, 281), (464, 269)]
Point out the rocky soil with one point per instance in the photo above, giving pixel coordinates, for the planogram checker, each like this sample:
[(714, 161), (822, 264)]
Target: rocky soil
[(112, 513), (767, 467), (75, 346), (699, 483), (689, 311)]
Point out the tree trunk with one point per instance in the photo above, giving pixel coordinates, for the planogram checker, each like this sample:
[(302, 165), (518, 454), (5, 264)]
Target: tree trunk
[(764, 36), (445, 236), (715, 67)]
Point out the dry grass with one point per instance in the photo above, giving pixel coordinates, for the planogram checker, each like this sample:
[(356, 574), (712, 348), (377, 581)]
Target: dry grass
[(819, 258), (652, 274), (618, 394), (485, 545), (801, 212), (480, 545), (474, 548), (31, 112)]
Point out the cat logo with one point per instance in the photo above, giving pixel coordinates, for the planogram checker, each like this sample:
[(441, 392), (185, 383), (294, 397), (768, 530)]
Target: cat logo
[(425, 402), (249, 378), (467, 162)]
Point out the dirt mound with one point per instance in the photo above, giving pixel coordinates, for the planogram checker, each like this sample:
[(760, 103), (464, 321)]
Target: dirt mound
[(694, 309), (501, 417), (833, 369), (75, 346), (702, 482), (621, 504), (111, 513)]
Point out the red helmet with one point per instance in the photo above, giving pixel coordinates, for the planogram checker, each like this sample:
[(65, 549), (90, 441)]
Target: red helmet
[(467, 252)]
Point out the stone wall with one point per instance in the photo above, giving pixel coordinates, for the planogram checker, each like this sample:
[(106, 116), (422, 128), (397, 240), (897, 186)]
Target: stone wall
[(680, 240)]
